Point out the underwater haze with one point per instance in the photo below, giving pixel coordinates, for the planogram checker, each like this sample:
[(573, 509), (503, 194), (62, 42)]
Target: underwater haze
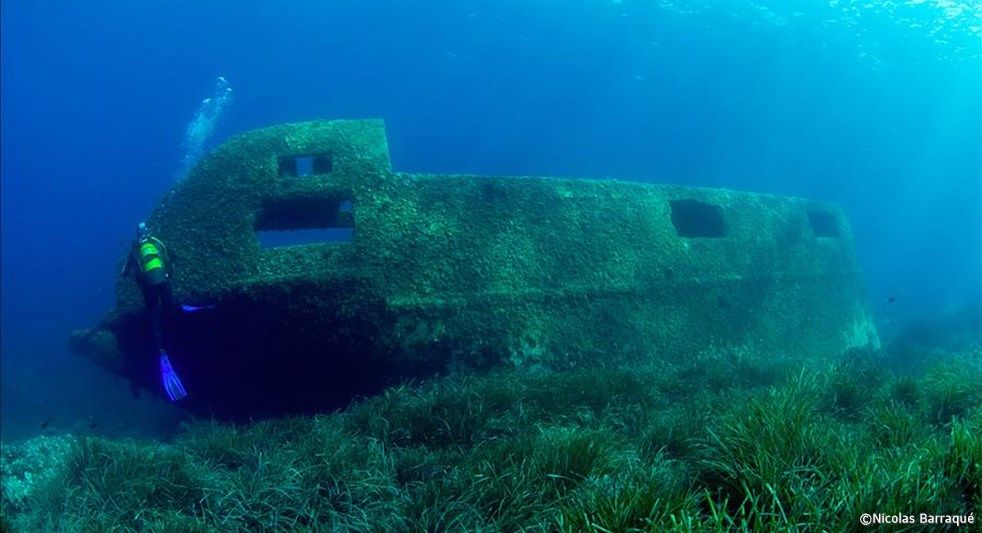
[(872, 105)]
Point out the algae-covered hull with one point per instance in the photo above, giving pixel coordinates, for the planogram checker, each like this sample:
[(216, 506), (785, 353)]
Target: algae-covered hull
[(427, 273)]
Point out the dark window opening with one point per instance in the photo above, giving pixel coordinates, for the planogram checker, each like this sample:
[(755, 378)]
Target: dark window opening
[(298, 221), (298, 166), (693, 218), (823, 224)]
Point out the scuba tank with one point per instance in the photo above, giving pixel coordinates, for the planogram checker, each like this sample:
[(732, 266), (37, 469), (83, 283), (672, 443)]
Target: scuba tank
[(151, 261)]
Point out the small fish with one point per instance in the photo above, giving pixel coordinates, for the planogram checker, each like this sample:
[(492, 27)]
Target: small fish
[(45, 424), (891, 299)]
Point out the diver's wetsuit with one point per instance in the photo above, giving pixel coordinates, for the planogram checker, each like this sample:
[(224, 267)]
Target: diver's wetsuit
[(159, 301)]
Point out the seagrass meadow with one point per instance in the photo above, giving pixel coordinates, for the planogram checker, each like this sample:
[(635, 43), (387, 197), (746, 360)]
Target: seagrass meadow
[(724, 440)]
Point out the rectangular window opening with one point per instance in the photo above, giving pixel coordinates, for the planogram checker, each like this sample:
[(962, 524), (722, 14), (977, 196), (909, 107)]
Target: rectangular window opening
[(299, 237), (299, 166), (693, 218), (299, 221), (823, 224)]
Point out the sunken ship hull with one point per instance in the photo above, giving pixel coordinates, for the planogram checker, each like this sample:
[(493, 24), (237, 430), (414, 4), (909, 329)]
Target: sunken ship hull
[(422, 274)]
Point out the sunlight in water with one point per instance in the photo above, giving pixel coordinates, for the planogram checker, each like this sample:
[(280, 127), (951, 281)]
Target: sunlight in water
[(954, 26)]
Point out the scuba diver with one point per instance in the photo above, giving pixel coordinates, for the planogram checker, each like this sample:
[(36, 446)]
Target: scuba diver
[(149, 258)]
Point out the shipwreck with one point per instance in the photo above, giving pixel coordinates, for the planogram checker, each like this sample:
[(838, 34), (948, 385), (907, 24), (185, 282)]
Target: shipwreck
[(412, 275)]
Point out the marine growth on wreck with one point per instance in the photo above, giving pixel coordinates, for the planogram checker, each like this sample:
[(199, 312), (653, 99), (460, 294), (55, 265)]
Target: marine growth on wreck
[(410, 275)]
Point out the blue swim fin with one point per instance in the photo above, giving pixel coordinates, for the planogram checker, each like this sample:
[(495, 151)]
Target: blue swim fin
[(187, 308), (172, 384)]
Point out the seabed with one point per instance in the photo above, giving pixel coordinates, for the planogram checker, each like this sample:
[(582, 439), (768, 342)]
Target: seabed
[(721, 442)]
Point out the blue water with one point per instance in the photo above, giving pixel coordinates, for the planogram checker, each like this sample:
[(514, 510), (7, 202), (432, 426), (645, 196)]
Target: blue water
[(872, 105)]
